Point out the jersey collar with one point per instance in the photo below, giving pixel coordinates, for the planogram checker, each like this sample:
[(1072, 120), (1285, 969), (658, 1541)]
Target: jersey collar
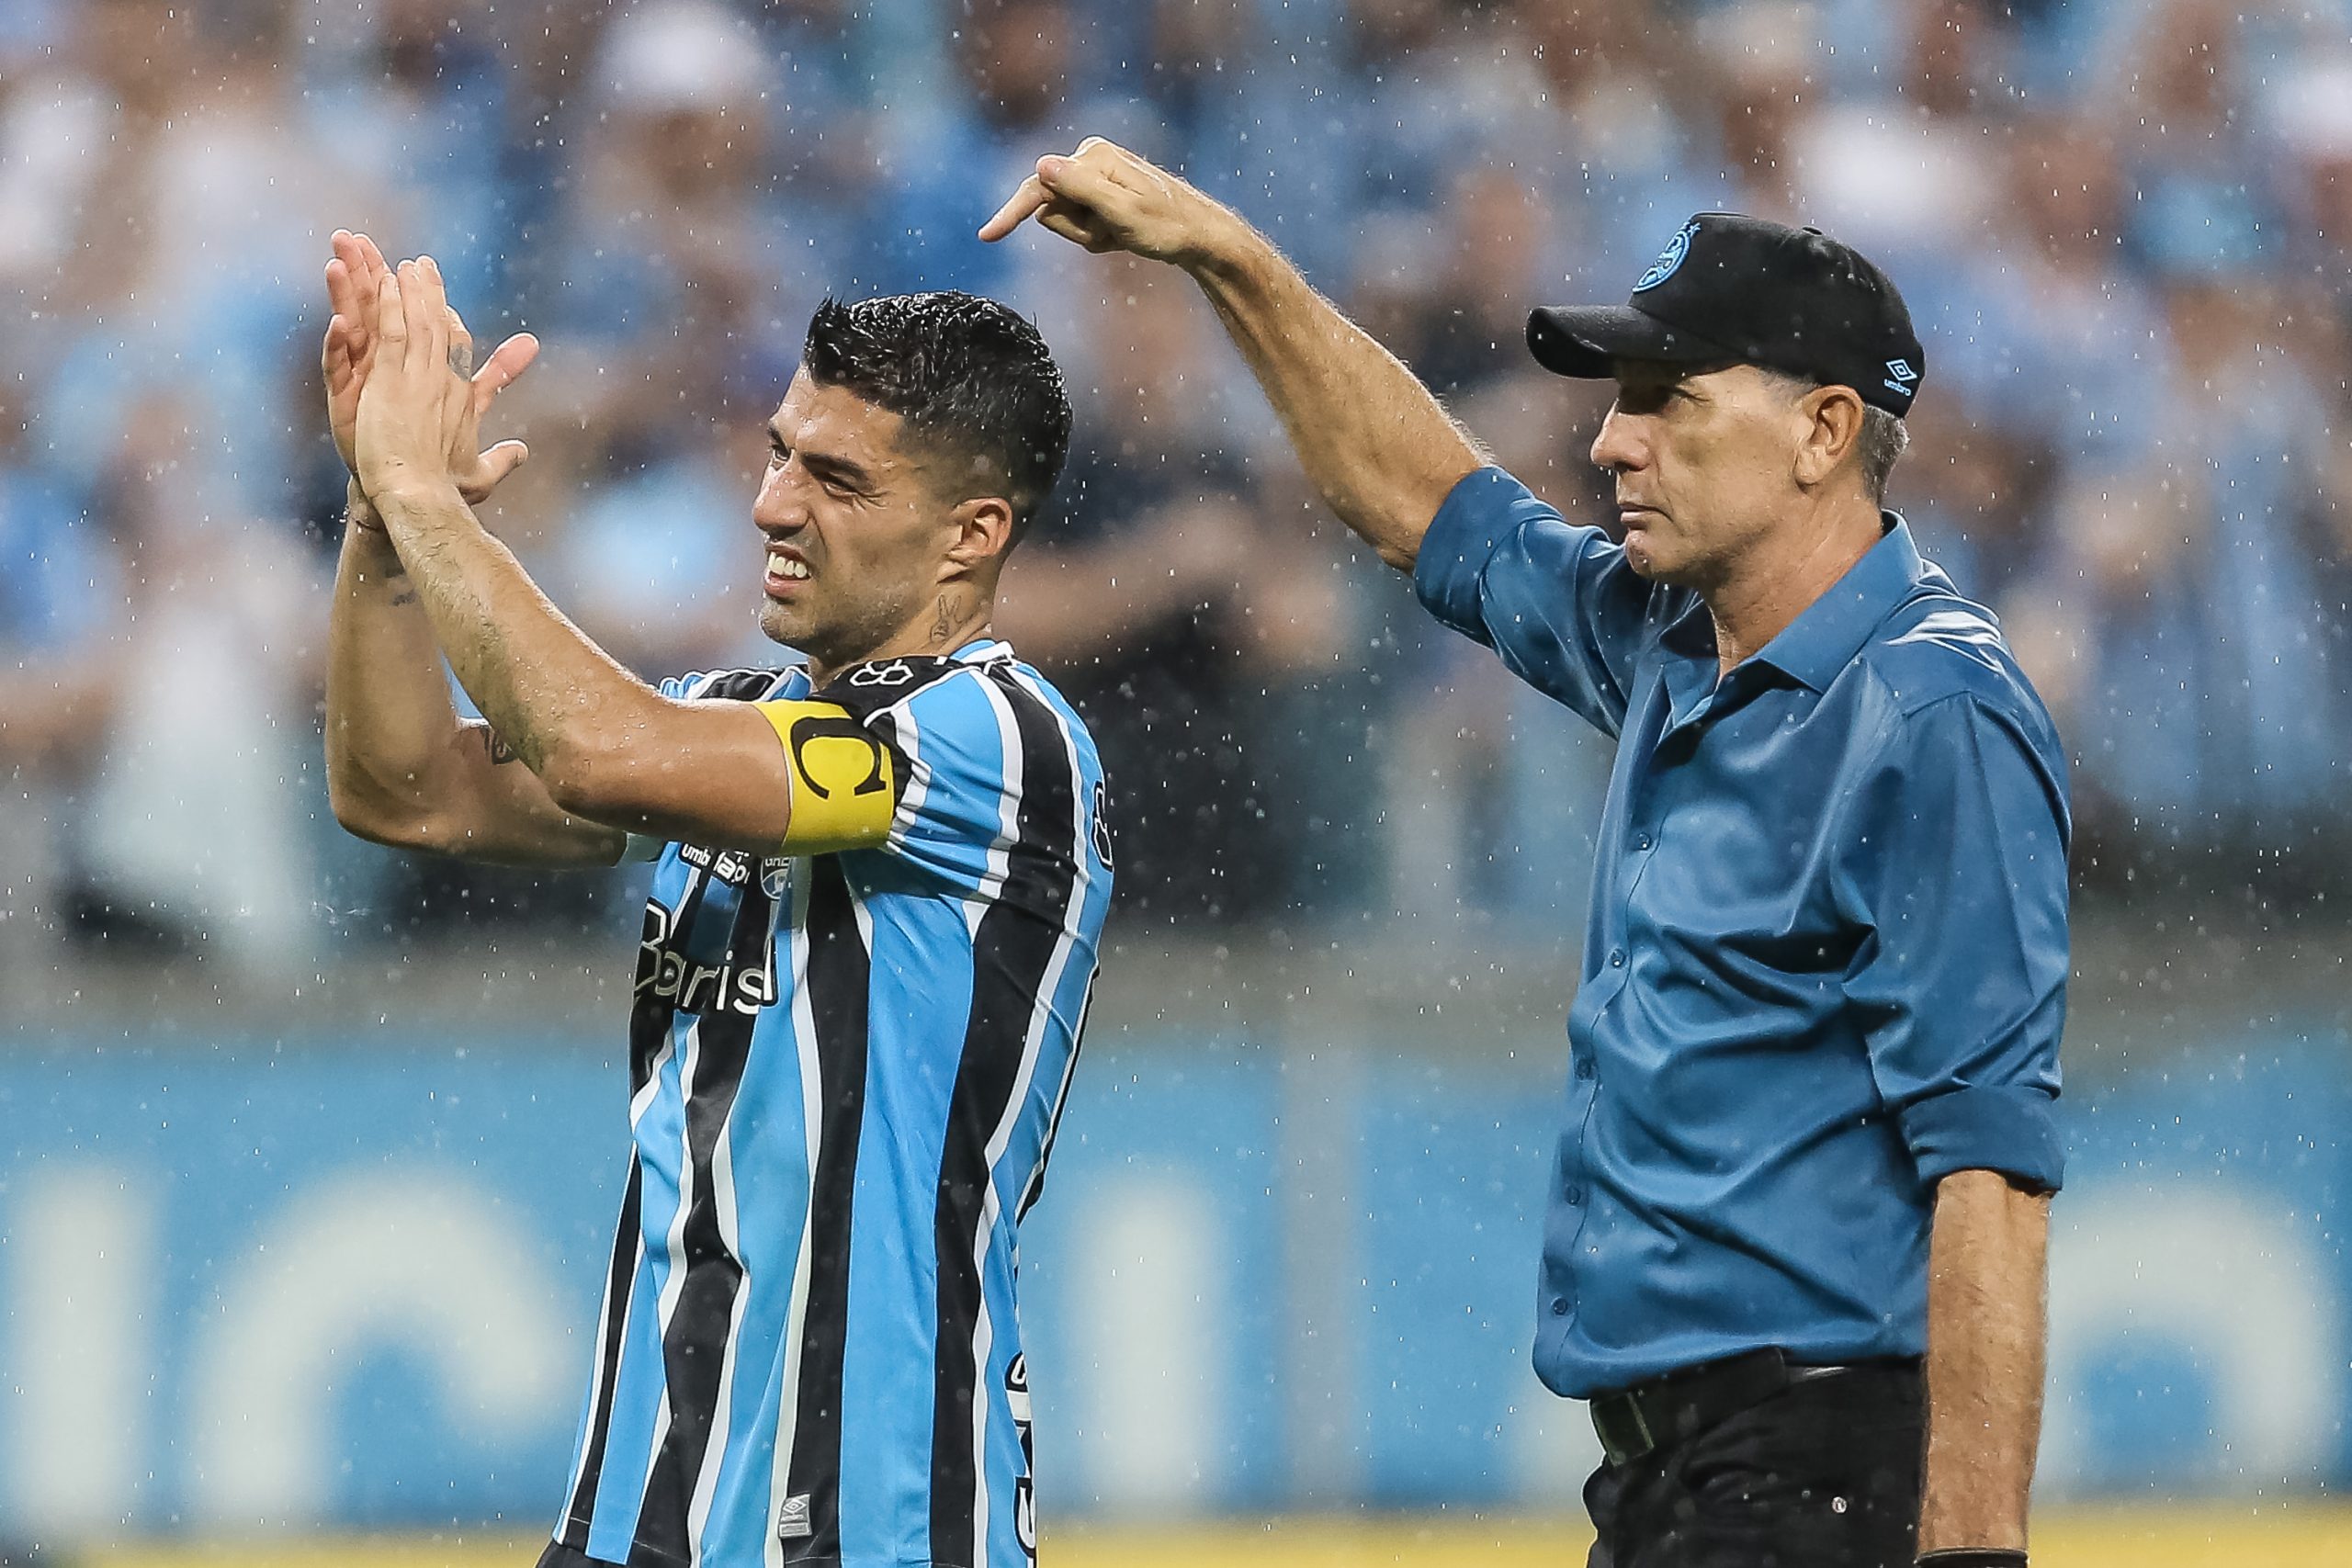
[(1831, 630)]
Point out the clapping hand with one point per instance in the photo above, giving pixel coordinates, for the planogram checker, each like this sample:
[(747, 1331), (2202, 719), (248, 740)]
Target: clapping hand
[(355, 280)]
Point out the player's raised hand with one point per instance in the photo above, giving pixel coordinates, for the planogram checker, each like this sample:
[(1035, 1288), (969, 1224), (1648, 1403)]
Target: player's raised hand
[(354, 277), (1106, 198), (350, 347), (477, 470), (411, 408)]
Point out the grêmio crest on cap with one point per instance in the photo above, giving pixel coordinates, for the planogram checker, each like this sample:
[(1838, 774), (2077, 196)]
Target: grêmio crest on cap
[(1669, 258)]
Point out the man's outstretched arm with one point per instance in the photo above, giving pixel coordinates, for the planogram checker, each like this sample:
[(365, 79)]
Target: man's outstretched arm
[(1371, 438)]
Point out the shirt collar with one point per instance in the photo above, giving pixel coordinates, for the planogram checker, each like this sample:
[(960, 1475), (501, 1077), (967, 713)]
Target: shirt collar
[(1826, 634)]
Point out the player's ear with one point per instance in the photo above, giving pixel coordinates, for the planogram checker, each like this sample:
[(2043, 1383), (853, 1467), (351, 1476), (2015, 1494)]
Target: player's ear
[(983, 528)]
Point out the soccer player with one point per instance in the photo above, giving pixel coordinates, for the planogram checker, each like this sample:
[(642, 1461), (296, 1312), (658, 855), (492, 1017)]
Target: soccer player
[(880, 887), (1794, 1251)]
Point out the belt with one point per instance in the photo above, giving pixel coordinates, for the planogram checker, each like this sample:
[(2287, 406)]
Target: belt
[(1636, 1422)]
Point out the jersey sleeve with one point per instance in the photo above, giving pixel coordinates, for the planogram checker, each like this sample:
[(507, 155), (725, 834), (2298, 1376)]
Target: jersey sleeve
[(922, 768), (1958, 871), (1558, 602)]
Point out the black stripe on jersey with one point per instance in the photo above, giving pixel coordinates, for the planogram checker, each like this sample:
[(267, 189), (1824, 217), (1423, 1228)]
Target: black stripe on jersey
[(619, 1279), (651, 1013), (1013, 949), (839, 971), (693, 1345)]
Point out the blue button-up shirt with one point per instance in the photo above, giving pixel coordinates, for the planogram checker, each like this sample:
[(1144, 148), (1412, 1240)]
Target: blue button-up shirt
[(1826, 958)]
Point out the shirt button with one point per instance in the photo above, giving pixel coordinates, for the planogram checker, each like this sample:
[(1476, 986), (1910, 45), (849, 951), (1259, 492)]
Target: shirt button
[(1585, 1069), (1642, 842), (1617, 959), (1559, 1306), (1575, 1196)]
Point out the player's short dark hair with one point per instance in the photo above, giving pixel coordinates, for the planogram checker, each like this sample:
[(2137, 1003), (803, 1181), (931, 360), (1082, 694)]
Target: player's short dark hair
[(971, 377)]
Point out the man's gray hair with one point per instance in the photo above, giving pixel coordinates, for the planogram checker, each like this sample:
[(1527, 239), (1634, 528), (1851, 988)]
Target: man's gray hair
[(1883, 440)]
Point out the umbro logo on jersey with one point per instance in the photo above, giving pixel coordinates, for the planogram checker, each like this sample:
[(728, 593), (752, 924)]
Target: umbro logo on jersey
[(726, 865), (793, 1521)]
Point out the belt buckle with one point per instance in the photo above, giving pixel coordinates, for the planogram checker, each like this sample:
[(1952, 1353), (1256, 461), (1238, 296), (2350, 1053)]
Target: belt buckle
[(1619, 1446)]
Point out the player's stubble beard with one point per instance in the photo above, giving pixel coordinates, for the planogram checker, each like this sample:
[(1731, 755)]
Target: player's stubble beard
[(834, 637)]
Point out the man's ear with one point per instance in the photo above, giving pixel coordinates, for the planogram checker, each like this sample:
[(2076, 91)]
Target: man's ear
[(983, 532), (1833, 427)]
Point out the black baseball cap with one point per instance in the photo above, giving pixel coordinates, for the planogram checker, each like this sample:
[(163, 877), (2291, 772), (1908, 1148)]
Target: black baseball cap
[(1739, 290)]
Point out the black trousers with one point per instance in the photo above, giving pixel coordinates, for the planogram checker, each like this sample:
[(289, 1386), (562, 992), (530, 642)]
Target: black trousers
[(1824, 1475)]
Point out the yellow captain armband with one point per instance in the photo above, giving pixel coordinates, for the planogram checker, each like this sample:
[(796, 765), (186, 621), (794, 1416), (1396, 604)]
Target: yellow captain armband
[(844, 780)]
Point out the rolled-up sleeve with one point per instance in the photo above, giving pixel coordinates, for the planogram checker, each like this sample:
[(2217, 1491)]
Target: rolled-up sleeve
[(1959, 858), (1557, 603)]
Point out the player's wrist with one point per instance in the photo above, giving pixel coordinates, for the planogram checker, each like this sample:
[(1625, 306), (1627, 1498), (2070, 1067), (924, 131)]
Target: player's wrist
[(1223, 246), (400, 495), (358, 512)]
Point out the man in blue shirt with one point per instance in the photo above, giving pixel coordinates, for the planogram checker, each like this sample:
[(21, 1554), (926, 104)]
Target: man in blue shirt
[(1794, 1253)]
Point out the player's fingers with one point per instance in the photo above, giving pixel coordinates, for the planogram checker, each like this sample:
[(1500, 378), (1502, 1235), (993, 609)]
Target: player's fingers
[(340, 294), (406, 289), (461, 344), (391, 324), (343, 337), (502, 460), (426, 322), (1072, 224), (371, 260), (1032, 196), (504, 368), (1089, 184)]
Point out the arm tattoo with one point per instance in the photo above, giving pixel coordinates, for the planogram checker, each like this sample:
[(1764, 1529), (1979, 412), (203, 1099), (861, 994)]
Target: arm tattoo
[(402, 598), (500, 752)]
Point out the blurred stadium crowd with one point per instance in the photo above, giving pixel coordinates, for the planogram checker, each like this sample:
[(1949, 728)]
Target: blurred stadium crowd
[(2120, 225)]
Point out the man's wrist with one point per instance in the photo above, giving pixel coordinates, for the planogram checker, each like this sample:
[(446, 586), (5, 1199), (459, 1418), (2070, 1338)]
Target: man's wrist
[(1229, 250), (358, 512), (1974, 1557), (402, 499)]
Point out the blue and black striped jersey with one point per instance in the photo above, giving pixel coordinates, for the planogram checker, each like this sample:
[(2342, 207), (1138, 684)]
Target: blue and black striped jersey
[(846, 1071)]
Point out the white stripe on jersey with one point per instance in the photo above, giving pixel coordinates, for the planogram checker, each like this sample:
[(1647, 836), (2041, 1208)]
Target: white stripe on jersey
[(906, 731), (812, 1101), (1007, 813)]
